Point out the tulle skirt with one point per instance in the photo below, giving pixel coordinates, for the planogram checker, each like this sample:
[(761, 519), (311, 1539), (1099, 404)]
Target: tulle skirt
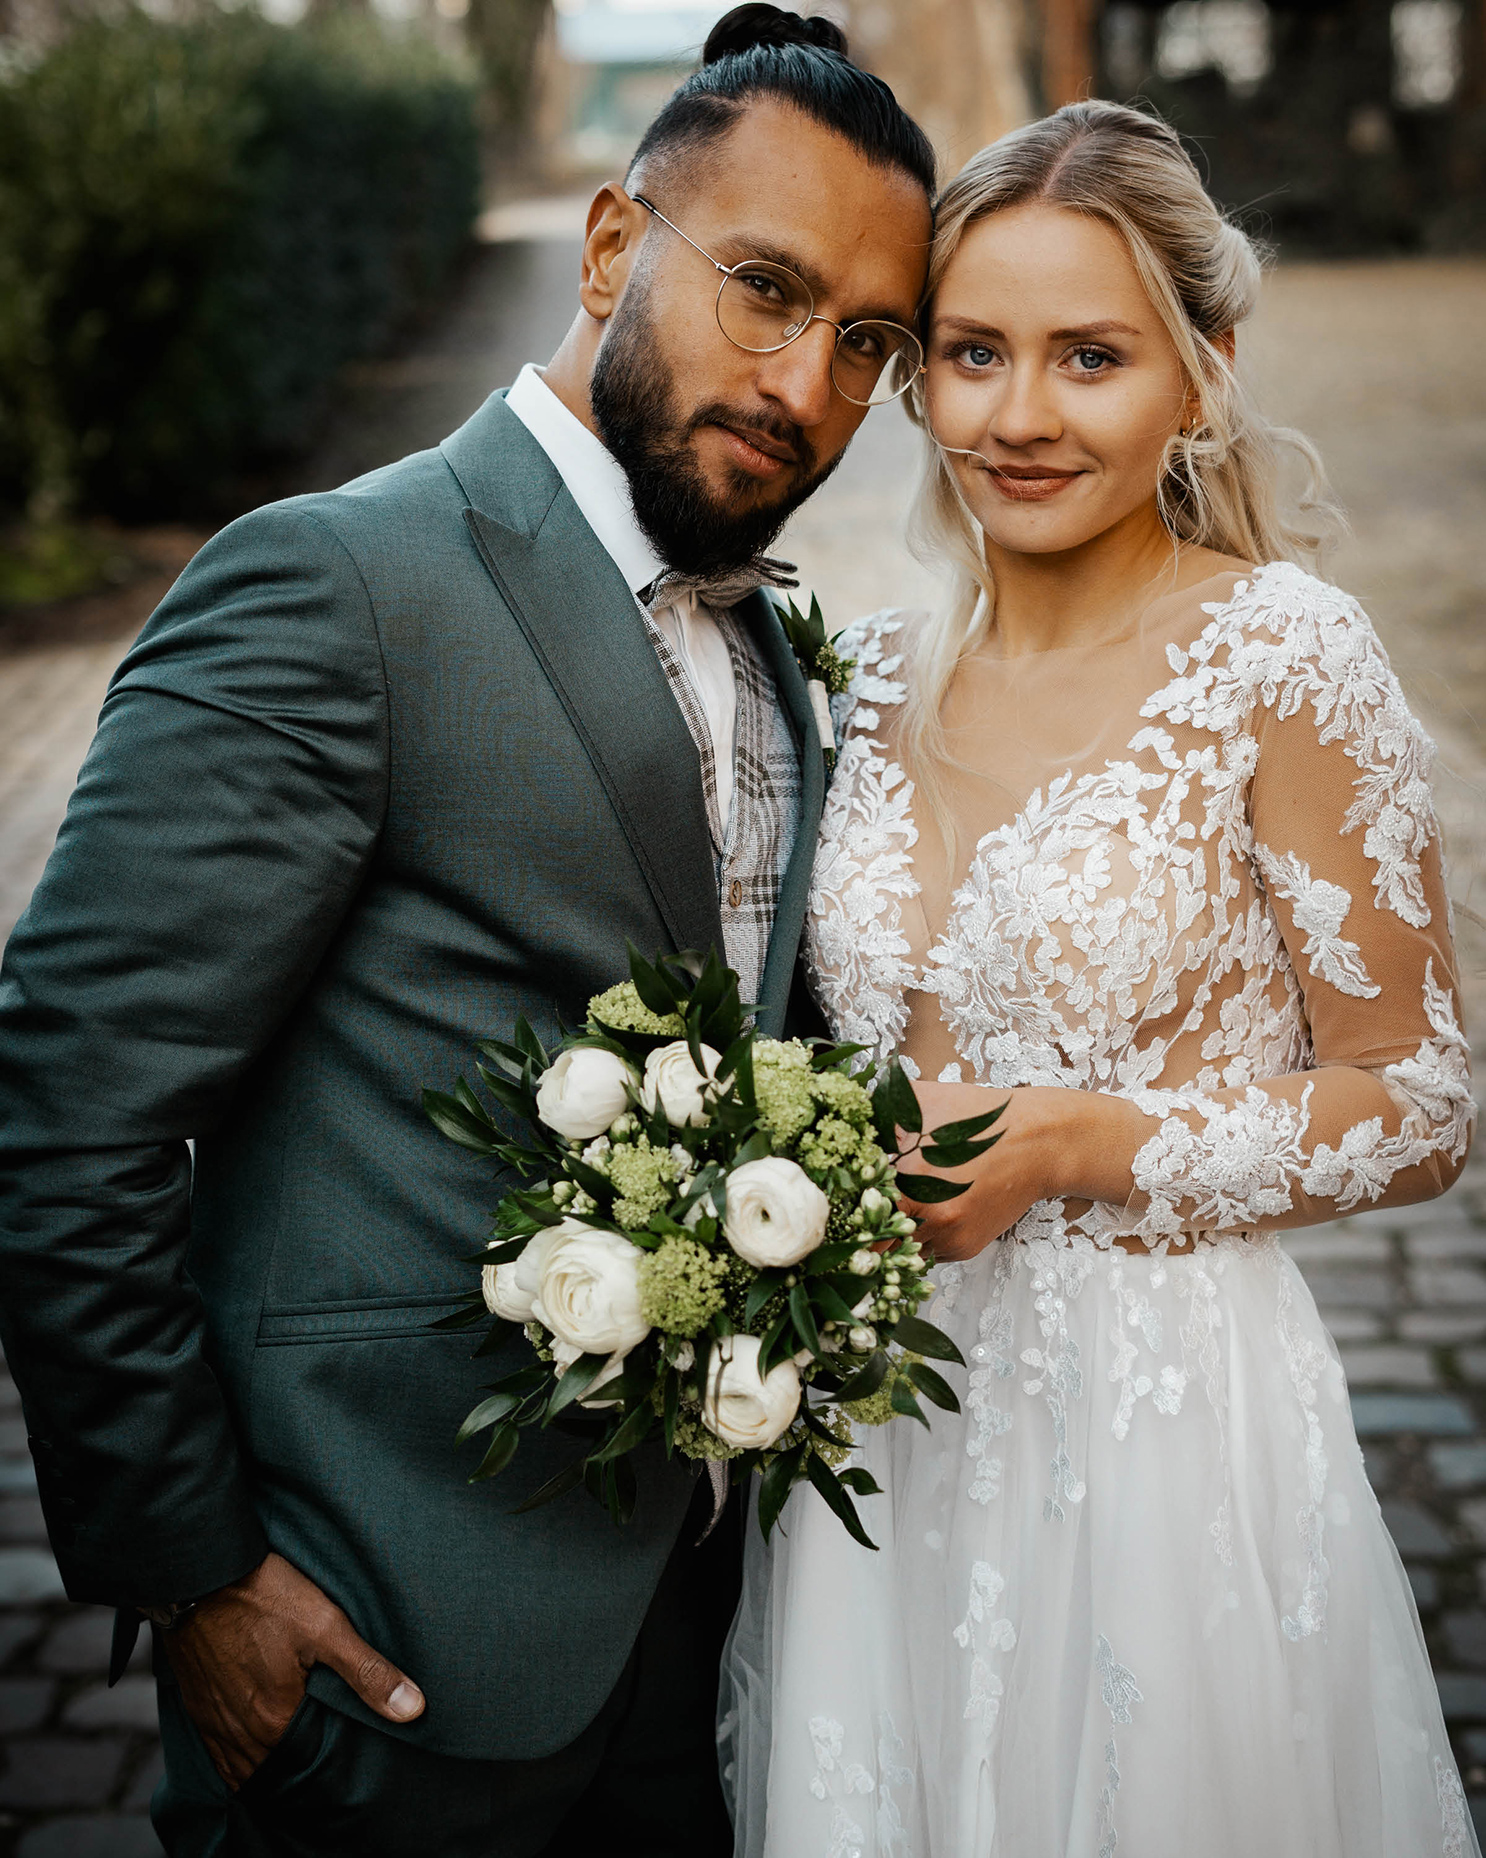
[(1136, 1597)]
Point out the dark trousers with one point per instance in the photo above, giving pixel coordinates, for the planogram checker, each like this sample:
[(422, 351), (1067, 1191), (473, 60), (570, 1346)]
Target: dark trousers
[(642, 1777)]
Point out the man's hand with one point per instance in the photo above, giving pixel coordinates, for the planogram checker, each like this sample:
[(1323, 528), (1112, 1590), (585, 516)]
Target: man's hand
[(243, 1656)]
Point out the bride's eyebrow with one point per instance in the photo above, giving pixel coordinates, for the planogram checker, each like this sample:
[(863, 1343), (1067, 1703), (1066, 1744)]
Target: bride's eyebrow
[(1092, 329)]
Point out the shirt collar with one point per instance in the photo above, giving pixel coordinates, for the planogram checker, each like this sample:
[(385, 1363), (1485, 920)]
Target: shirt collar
[(593, 475)]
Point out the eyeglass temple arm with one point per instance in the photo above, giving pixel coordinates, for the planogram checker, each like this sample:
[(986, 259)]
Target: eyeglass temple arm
[(650, 207)]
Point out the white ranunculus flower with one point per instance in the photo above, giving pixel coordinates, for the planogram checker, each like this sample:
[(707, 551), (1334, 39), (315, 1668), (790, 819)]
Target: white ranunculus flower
[(674, 1082), (584, 1091), (589, 1294), (563, 1357), (775, 1213), (511, 1289), (741, 1406)]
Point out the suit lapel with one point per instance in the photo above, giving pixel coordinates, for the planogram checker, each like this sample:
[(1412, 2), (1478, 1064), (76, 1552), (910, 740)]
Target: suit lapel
[(581, 620), (794, 891)]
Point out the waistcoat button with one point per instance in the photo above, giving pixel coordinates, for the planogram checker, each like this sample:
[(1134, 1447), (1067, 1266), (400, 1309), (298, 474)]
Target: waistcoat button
[(735, 892)]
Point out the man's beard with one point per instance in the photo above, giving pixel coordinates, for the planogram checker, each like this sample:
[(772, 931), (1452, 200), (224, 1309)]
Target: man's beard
[(632, 393)]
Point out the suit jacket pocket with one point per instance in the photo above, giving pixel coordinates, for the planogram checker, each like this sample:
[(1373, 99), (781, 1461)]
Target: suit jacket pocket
[(362, 1319)]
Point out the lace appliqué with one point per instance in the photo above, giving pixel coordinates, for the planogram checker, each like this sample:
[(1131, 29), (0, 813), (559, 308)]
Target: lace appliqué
[(850, 1785), (981, 1635), (1320, 911), (1118, 1690), (855, 947), (1454, 1817), (1238, 1170)]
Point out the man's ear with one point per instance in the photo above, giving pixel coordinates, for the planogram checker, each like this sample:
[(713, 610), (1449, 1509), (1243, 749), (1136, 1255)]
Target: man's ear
[(615, 227)]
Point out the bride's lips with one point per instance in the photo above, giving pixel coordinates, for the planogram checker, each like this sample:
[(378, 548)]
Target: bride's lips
[(758, 454), (1030, 483)]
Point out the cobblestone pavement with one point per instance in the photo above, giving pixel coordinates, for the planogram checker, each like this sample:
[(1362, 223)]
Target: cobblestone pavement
[(1376, 361)]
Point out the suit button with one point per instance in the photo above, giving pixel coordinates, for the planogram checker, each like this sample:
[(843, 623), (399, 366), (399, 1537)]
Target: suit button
[(735, 892)]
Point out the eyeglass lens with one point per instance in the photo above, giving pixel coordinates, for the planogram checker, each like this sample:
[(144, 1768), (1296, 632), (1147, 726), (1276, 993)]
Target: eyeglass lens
[(763, 307)]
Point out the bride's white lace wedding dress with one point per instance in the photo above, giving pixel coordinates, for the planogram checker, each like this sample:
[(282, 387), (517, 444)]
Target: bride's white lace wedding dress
[(1137, 1597)]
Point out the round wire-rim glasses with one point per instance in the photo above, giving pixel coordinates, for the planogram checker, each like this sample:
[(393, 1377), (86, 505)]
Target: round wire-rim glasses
[(762, 307)]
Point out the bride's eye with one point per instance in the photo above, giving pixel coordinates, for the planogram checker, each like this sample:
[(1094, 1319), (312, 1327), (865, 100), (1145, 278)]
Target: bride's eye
[(970, 354), (1089, 361)]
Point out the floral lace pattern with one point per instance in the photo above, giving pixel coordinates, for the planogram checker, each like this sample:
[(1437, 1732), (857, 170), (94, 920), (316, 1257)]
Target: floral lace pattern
[(1130, 929)]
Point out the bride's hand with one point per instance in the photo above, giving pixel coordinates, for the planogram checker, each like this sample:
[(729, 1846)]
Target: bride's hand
[(1055, 1144)]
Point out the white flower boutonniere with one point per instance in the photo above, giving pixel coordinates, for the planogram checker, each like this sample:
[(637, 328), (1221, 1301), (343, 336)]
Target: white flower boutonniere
[(827, 673)]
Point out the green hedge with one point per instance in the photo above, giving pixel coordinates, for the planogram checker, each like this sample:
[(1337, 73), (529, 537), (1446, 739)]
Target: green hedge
[(199, 224)]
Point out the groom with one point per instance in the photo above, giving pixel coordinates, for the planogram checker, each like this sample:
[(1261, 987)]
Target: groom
[(388, 767)]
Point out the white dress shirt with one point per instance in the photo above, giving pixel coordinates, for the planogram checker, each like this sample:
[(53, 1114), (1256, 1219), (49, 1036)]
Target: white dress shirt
[(596, 482)]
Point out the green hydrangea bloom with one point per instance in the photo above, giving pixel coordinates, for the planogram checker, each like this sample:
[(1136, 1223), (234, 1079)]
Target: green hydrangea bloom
[(877, 1409), (622, 1008), (782, 1082), (843, 1096), (832, 1143), (681, 1286), (836, 1451), (693, 1439), (643, 1178)]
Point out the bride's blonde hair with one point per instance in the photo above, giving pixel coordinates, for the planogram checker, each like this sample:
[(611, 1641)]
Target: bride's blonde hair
[(1217, 486)]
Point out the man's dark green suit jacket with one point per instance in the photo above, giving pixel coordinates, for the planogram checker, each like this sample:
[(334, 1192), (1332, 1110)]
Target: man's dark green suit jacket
[(389, 766)]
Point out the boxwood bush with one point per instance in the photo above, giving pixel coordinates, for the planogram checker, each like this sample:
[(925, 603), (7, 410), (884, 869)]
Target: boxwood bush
[(199, 224)]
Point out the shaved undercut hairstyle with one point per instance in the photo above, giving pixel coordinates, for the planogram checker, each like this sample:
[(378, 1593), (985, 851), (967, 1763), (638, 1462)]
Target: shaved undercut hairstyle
[(761, 54)]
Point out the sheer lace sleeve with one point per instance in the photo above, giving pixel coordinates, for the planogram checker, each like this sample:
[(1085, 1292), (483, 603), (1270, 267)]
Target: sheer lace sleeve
[(1344, 842)]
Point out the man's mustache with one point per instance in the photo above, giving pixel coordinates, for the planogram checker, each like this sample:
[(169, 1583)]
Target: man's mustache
[(769, 424)]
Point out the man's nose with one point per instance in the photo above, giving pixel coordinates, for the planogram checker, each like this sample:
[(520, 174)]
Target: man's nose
[(798, 377)]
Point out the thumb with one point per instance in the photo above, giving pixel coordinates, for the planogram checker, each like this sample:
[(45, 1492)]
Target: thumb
[(378, 1683)]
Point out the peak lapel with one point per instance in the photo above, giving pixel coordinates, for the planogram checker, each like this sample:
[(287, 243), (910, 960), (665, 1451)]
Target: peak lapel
[(582, 622)]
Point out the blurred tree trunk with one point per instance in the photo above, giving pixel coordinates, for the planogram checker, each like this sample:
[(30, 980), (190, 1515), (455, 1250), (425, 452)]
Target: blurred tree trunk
[(505, 36), (1069, 54)]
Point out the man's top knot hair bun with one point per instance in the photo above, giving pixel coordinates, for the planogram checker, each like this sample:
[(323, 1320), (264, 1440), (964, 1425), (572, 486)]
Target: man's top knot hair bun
[(747, 28)]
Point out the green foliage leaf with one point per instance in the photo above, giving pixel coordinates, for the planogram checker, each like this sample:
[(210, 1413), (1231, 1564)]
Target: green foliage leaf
[(486, 1414), (654, 989), (804, 1318), (631, 1431), (970, 1126), (867, 1379), (895, 1106), (499, 1453), (860, 1479), (775, 1484), (933, 1386), (764, 1286), (829, 1057), (452, 1119), (930, 1189), (903, 1402), (924, 1338), (831, 1488), (574, 1382), (567, 1479)]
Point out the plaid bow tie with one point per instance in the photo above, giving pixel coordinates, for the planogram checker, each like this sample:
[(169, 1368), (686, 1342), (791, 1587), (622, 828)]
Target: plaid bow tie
[(722, 590)]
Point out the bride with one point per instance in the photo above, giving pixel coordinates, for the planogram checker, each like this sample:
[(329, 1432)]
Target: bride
[(1136, 838)]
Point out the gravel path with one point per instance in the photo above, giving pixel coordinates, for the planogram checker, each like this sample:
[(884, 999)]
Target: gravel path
[(1381, 364)]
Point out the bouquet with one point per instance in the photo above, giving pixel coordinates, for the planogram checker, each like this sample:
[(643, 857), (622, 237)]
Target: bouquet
[(706, 1245)]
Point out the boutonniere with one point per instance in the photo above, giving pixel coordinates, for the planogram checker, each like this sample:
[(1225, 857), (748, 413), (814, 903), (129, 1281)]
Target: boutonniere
[(827, 674)]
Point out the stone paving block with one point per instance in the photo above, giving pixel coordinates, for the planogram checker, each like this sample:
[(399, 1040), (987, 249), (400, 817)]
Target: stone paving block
[(1465, 1637), (1473, 1514), (1375, 1415), (81, 1643), (142, 1787), (1353, 1325), (1473, 1744), (129, 1705), (1444, 1243), (1329, 1246), (24, 1702), (1473, 1363), (21, 1520), (1458, 1467), (1344, 1289), (1450, 1285), (109, 1835), (55, 1770), (1416, 1533), (1445, 1327), (18, 1629), (1462, 1696), (28, 1574), (1389, 1364), (1426, 1585)]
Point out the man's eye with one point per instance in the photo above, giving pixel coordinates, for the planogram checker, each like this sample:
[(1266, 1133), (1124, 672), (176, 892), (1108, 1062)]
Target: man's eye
[(760, 285), (864, 344)]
